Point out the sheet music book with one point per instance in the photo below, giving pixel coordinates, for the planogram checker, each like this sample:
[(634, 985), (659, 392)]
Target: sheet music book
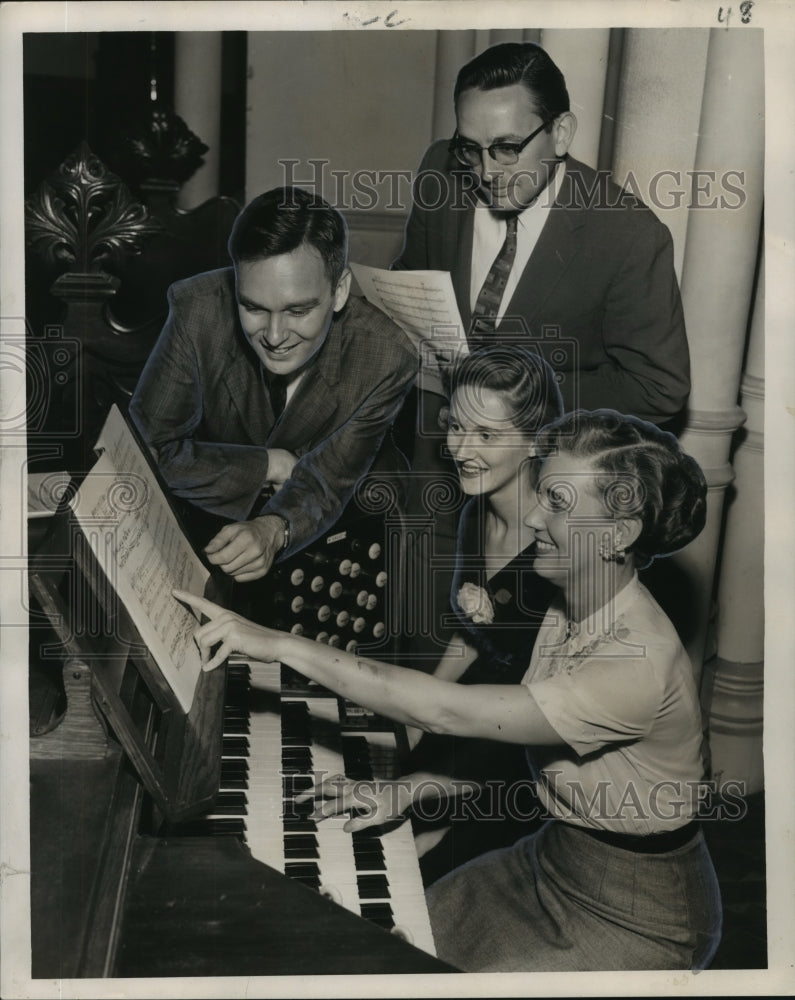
[(139, 545), (423, 304)]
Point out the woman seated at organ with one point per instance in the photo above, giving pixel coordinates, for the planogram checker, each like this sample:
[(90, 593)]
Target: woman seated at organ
[(499, 398), (620, 876)]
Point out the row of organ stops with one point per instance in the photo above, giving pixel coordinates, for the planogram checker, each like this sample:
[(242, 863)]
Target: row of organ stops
[(333, 593)]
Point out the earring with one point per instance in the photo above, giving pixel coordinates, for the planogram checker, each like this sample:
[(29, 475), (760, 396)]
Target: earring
[(612, 553)]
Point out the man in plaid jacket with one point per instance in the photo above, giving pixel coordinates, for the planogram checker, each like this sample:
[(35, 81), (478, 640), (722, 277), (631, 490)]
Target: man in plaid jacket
[(270, 389)]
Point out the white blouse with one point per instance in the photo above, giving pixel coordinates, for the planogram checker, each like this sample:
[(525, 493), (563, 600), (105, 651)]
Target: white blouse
[(620, 691)]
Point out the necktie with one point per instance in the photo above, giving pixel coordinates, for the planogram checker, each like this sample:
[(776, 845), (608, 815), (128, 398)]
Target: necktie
[(488, 302), (277, 388)]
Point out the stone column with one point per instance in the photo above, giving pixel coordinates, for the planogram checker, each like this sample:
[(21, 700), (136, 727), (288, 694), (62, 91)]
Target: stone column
[(197, 100), (657, 126), (581, 56), (733, 689), (717, 281)]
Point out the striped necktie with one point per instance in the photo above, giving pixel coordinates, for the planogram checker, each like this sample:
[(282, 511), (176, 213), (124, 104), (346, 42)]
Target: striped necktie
[(484, 315)]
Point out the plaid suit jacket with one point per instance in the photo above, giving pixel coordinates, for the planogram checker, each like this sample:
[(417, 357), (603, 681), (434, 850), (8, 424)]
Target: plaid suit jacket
[(601, 276), (202, 405)]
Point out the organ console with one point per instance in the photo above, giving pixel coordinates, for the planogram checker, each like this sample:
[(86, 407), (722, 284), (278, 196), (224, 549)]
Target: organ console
[(334, 591), (167, 842)]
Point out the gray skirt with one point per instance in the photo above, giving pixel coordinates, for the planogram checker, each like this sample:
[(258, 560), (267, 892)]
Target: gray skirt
[(560, 901)]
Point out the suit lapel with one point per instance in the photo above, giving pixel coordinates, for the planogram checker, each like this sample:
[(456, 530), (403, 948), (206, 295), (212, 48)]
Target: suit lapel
[(315, 400), (461, 269), (311, 408), (557, 245), (243, 380)]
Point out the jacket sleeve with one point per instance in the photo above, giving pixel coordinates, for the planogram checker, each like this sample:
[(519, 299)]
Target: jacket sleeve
[(167, 408), (647, 371), (323, 480)]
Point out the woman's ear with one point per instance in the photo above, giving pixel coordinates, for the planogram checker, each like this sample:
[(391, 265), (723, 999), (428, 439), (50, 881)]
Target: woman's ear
[(532, 451), (628, 530)]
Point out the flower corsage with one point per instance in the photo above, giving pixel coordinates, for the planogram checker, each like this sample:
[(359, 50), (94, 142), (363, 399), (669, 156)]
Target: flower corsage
[(476, 604)]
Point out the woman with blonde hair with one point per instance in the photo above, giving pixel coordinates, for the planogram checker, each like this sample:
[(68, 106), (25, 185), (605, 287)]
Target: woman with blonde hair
[(620, 876)]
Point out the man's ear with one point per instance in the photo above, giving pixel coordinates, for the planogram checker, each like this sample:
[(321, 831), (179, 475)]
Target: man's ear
[(563, 130), (343, 290)]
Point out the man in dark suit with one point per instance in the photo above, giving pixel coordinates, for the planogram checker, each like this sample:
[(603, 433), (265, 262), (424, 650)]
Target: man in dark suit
[(591, 264), (270, 390), (541, 250)]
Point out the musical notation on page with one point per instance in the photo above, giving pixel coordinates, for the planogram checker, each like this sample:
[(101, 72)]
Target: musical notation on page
[(141, 548), (423, 304)]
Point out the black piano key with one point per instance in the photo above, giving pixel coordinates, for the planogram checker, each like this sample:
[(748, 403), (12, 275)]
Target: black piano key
[(238, 679), (301, 852), (233, 711), (234, 746), (369, 862), (235, 782), (295, 739), (378, 913), (231, 803), (234, 767), (302, 869), (297, 824), (297, 840), (292, 784), (372, 886), (365, 840), (236, 727)]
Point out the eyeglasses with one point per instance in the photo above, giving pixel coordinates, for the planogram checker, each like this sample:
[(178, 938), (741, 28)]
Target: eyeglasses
[(505, 153)]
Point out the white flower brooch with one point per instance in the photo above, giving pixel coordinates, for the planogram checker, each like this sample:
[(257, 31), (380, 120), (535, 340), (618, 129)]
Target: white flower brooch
[(476, 604)]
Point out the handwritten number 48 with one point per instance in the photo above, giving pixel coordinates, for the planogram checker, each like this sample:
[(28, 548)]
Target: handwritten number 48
[(745, 13)]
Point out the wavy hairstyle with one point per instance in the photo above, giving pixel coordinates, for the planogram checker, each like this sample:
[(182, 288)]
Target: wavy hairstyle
[(525, 381), (281, 219), (643, 473)]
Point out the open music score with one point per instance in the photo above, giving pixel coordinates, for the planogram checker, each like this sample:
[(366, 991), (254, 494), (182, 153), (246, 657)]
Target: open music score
[(423, 304), (142, 550)]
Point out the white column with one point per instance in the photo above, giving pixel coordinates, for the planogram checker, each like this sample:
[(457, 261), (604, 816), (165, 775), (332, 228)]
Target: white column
[(197, 100), (734, 690), (581, 55), (657, 126), (717, 278)]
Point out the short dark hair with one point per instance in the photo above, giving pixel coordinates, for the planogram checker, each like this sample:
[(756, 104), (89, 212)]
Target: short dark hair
[(517, 62), (646, 475), (525, 381), (280, 220)]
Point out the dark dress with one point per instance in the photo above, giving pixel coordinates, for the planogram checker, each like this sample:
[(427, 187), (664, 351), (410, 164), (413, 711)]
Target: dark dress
[(505, 808)]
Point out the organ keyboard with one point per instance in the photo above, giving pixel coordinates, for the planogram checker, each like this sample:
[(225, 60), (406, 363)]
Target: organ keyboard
[(114, 890), (280, 735)]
